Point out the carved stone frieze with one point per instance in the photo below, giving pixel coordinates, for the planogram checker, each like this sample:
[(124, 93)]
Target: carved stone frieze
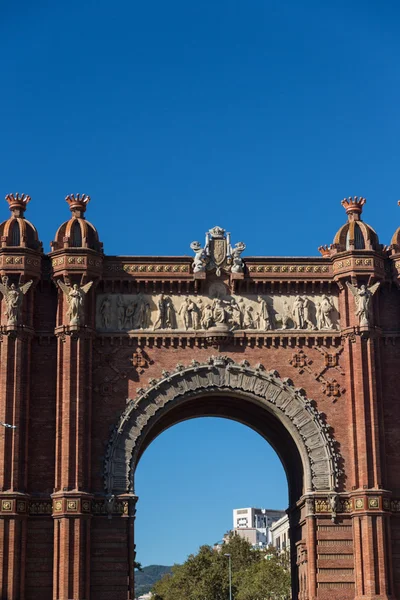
[(217, 311), (305, 424)]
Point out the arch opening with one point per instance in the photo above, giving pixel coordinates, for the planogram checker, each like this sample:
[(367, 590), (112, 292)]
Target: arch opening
[(291, 423), (197, 472)]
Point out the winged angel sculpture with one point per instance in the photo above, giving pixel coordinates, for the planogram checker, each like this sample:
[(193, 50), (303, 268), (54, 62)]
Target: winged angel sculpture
[(76, 299), (13, 296), (362, 296)]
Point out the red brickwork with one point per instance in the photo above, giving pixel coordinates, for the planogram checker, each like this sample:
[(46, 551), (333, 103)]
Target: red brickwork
[(67, 533)]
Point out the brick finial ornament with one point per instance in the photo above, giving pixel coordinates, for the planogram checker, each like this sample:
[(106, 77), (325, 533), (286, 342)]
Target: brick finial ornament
[(17, 203), (77, 204), (353, 207)]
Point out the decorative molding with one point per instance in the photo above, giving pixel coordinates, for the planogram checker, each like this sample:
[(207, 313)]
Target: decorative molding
[(299, 416), (287, 268), (146, 268)]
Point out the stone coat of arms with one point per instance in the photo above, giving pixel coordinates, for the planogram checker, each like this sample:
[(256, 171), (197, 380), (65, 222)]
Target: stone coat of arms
[(218, 253)]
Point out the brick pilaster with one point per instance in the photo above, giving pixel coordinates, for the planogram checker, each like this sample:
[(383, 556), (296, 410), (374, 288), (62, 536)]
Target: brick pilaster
[(71, 501), (14, 410)]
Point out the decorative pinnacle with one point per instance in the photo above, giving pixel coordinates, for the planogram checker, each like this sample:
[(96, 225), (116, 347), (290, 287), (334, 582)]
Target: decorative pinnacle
[(325, 250), (77, 203), (17, 203), (353, 207)]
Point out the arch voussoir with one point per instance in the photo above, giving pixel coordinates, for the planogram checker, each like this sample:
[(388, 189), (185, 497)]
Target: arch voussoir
[(221, 375)]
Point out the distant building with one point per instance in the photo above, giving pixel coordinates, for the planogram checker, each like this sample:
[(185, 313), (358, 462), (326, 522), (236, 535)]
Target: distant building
[(254, 524), (280, 534)]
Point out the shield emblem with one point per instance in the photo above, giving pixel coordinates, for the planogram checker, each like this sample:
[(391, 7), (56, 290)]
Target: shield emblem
[(219, 251)]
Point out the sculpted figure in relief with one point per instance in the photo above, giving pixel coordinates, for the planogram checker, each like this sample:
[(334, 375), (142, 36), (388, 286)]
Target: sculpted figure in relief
[(76, 300), (362, 296), (166, 314), (13, 296), (323, 313), (129, 315), (249, 319), (190, 314), (142, 313), (219, 311), (298, 313), (308, 314), (206, 316), (184, 313), (120, 313), (263, 316), (236, 319), (106, 312), (194, 314), (286, 316)]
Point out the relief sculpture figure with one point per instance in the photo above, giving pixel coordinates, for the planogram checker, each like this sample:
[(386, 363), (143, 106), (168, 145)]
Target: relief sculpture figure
[(325, 309), (106, 312), (286, 316), (263, 316), (120, 313), (142, 313), (166, 314), (236, 318), (13, 296), (308, 314), (298, 313), (206, 316), (184, 313), (129, 315), (219, 311), (194, 315), (249, 321), (362, 297), (76, 300)]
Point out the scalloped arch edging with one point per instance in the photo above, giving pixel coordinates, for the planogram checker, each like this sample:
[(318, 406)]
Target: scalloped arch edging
[(290, 405)]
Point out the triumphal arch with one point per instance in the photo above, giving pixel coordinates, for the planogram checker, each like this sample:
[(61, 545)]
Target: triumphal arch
[(100, 354)]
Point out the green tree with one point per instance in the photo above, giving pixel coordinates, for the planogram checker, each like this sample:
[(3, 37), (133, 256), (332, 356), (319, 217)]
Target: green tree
[(264, 580), (205, 575)]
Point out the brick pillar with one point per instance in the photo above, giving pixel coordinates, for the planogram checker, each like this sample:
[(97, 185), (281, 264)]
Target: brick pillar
[(71, 499), (14, 410), (371, 527), (372, 558), (311, 550)]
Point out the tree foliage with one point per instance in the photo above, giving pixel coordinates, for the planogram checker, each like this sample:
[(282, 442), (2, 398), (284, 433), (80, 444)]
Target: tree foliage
[(205, 575)]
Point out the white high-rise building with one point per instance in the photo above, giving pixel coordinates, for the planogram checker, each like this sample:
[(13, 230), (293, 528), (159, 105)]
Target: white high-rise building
[(254, 524)]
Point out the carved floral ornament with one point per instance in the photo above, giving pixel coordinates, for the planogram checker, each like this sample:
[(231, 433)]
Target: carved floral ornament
[(298, 415)]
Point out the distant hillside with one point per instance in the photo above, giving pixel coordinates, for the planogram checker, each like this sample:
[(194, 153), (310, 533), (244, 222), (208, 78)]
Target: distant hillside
[(145, 580)]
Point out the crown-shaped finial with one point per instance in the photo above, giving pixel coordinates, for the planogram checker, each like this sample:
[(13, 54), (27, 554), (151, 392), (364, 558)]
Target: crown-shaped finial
[(77, 203), (353, 207), (17, 203), (325, 251)]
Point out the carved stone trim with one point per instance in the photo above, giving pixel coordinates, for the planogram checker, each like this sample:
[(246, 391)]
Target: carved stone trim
[(221, 374)]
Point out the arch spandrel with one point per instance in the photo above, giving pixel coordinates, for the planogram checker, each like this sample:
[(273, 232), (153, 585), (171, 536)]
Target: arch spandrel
[(222, 376)]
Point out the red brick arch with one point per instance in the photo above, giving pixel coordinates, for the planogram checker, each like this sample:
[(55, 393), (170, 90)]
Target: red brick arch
[(149, 414)]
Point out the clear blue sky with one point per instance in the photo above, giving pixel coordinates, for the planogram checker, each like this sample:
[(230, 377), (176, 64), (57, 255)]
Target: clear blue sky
[(176, 116)]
